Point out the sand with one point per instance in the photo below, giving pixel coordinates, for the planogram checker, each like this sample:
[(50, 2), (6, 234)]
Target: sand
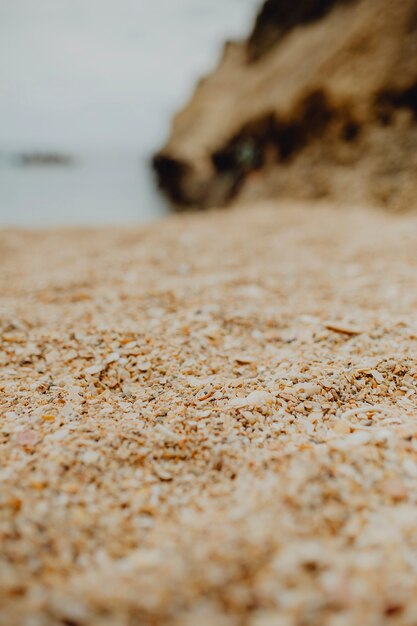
[(210, 420)]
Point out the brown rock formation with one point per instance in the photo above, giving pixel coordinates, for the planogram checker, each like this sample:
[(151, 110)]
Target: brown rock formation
[(320, 101)]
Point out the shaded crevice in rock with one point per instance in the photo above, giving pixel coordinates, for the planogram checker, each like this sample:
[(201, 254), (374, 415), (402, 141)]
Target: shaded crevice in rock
[(389, 100), (170, 173), (274, 138), (277, 18)]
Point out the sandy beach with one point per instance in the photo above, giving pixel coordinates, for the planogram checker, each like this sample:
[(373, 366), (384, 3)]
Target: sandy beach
[(210, 420)]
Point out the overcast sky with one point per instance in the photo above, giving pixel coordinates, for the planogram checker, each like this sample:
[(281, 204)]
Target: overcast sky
[(81, 74)]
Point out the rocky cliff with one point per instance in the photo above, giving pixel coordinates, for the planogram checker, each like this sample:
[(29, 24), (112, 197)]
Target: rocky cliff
[(319, 102)]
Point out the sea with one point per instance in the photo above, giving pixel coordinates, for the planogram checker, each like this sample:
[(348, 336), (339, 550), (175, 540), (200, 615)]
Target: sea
[(98, 81)]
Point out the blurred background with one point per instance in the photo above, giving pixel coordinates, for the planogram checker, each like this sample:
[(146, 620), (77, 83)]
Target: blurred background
[(87, 92)]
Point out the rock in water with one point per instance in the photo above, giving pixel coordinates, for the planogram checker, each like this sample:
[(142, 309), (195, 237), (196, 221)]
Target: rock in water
[(319, 102)]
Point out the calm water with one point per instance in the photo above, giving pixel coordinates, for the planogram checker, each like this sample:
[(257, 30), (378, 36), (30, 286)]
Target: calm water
[(98, 189), (100, 80)]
